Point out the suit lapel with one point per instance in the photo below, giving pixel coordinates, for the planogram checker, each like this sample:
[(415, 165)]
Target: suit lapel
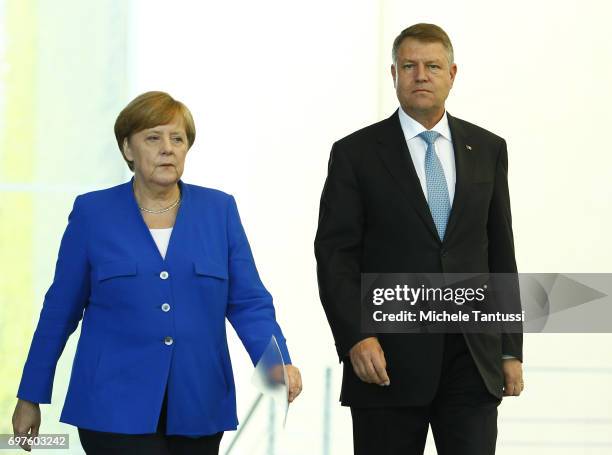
[(180, 229), (141, 230), (396, 157), (464, 164)]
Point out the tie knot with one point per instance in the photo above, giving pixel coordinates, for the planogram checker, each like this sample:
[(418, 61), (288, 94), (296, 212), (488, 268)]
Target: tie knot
[(429, 136)]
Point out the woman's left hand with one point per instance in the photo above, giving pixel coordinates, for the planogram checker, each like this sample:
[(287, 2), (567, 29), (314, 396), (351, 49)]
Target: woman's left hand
[(295, 382)]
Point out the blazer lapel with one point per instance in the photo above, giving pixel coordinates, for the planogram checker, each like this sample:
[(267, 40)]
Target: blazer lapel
[(180, 229), (396, 157), (141, 230), (464, 165)]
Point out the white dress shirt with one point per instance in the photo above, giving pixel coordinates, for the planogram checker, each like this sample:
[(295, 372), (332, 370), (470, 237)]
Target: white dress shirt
[(418, 147), (162, 238)]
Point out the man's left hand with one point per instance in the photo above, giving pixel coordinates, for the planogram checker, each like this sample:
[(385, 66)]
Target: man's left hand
[(513, 377)]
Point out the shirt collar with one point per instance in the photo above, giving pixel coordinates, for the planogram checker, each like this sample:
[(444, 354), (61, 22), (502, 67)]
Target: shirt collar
[(412, 128)]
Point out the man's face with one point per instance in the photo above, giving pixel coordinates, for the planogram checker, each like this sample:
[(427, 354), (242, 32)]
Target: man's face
[(422, 77)]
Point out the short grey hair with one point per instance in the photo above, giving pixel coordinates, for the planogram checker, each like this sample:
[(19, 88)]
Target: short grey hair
[(429, 33)]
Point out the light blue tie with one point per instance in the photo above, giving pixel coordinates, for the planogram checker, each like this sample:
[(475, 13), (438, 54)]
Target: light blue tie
[(437, 191)]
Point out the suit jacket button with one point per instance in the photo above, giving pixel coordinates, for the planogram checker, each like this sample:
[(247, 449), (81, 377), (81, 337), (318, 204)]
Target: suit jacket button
[(165, 307), (443, 253), (168, 341), (164, 275)]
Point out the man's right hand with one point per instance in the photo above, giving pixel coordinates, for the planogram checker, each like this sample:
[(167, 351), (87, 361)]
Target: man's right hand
[(369, 362), (26, 420)]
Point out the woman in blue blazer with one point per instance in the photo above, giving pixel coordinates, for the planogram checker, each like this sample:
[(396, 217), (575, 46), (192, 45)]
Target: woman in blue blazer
[(153, 267)]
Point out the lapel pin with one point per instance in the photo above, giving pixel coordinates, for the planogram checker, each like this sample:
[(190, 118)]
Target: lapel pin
[(469, 147)]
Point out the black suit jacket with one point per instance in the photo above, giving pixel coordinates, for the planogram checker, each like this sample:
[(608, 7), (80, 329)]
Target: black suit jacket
[(374, 218)]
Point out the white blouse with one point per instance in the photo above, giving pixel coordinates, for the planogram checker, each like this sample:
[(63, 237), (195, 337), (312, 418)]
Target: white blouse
[(162, 238)]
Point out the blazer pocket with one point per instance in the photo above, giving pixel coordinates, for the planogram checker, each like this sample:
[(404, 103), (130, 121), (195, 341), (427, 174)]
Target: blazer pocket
[(212, 269), (116, 269)]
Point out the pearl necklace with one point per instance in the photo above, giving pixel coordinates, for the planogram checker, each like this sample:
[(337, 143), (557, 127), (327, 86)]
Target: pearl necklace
[(156, 212), (176, 203)]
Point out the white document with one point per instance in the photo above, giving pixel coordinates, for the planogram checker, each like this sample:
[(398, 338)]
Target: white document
[(270, 378)]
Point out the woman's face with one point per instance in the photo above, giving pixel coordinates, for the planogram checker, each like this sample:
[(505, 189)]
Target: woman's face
[(158, 153)]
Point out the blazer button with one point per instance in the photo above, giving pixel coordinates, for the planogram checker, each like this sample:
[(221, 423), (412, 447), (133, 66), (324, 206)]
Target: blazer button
[(164, 275), (165, 307), (168, 341), (443, 253)]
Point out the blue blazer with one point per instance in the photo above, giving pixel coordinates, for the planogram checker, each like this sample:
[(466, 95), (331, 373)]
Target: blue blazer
[(147, 322)]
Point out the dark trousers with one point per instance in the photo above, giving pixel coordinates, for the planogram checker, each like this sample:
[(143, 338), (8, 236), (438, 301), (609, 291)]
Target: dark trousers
[(158, 443), (463, 414)]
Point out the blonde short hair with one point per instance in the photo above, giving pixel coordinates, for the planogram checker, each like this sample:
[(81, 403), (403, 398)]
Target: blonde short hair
[(148, 110), (428, 33)]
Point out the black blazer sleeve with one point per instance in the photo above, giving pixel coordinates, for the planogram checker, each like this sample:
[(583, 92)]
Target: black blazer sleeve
[(338, 250), (501, 244)]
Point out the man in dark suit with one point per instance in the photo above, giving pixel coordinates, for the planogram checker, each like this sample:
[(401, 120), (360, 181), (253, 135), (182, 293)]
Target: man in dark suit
[(424, 192)]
